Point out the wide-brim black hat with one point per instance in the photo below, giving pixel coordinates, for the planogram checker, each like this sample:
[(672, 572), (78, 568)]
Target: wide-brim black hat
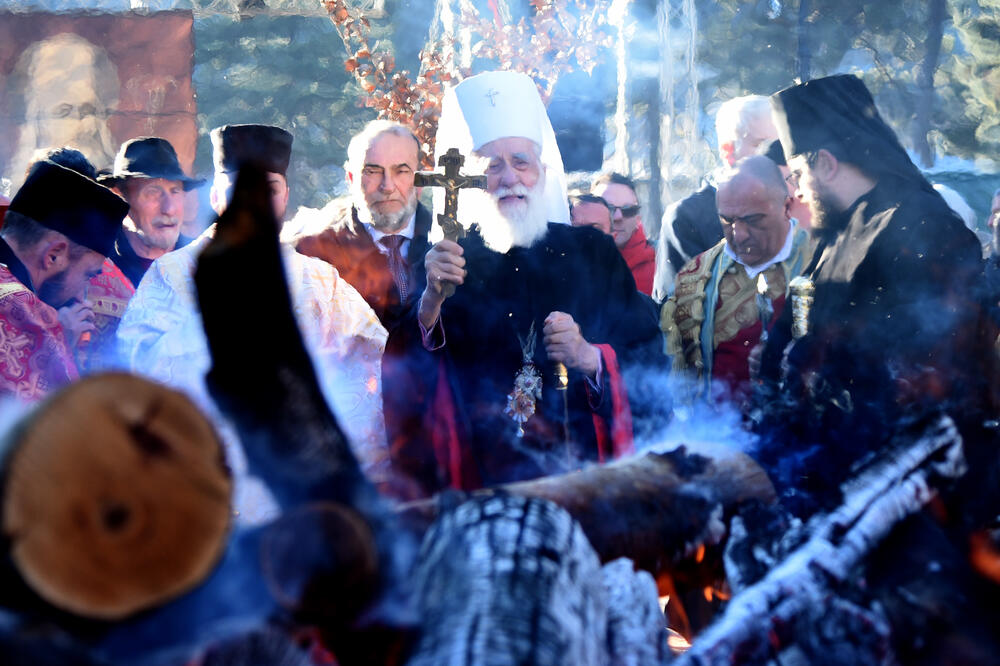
[(72, 204), (148, 157), (839, 111), (265, 146)]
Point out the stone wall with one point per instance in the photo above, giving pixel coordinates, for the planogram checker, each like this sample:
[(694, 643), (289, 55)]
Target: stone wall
[(286, 71)]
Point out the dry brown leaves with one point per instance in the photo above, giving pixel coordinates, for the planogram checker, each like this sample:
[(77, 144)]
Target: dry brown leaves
[(560, 36)]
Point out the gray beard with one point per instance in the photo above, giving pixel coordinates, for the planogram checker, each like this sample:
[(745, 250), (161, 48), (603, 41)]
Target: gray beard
[(156, 243), (389, 223)]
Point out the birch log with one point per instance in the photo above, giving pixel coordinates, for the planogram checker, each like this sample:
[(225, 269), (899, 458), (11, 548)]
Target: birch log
[(507, 580), (772, 614)]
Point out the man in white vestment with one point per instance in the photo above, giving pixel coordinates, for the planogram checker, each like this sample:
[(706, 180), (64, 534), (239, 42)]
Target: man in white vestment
[(161, 334)]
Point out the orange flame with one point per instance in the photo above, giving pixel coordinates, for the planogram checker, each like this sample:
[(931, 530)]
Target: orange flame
[(715, 593)]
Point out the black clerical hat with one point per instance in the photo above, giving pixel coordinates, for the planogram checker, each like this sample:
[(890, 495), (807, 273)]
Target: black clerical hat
[(148, 157), (839, 110), (774, 152), (72, 204), (266, 146)]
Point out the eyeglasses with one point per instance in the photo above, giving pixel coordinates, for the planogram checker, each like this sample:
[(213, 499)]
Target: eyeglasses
[(626, 211)]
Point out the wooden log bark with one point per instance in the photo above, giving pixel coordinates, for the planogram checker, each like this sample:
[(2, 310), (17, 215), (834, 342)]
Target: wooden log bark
[(653, 508), (637, 633), (116, 497)]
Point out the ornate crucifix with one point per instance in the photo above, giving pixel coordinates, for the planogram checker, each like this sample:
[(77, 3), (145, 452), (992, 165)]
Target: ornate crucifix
[(452, 182)]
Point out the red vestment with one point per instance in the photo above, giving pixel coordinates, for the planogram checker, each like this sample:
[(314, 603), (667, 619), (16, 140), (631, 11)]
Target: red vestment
[(109, 292), (731, 364), (34, 358)]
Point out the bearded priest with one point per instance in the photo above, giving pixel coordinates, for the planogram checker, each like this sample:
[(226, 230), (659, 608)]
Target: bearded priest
[(520, 369)]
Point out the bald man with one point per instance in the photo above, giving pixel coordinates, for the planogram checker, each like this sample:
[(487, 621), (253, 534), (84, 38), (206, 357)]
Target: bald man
[(737, 287), (690, 226)]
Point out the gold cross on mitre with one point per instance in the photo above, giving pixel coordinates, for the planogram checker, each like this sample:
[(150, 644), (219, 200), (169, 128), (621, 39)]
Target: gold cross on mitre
[(492, 94)]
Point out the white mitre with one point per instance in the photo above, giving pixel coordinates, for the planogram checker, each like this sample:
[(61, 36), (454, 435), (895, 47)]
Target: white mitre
[(491, 106)]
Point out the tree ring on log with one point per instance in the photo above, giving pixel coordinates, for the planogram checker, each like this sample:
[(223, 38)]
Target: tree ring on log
[(116, 497)]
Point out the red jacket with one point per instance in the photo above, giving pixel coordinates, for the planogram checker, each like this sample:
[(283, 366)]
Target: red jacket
[(641, 260)]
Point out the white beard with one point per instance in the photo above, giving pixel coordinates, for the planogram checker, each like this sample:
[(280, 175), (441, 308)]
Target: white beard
[(515, 224)]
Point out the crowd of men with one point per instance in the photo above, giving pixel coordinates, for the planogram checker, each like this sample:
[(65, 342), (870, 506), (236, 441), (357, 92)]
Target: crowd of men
[(817, 282)]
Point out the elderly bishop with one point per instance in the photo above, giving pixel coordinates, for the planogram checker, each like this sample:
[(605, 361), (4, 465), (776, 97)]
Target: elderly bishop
[(520, 367)]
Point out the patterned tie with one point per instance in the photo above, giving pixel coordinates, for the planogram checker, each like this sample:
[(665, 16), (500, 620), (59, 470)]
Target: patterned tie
[(397, 265)]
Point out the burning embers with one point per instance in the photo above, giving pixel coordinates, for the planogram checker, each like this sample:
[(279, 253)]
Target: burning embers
[(818, 589)]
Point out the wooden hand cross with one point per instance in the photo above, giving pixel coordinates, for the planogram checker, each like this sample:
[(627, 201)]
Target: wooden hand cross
[(452, 182)]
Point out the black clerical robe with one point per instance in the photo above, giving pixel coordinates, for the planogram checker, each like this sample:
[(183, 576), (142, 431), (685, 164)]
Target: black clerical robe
[(466, 439), (895, 330), (690, 226)]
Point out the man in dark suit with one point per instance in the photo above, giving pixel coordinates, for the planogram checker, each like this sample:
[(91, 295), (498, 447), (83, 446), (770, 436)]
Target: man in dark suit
[(375, 244)]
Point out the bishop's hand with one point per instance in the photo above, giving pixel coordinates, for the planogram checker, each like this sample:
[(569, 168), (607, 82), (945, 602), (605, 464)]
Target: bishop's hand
[(445, 265), (565, 344)]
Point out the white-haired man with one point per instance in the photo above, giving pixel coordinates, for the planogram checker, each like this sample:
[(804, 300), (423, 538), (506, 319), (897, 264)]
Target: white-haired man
[(161, 334), (529, 294), (375, 243), (691, 226)]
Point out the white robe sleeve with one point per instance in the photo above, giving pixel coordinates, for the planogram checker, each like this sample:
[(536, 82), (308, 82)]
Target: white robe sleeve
[(161, 336), (345, 340)]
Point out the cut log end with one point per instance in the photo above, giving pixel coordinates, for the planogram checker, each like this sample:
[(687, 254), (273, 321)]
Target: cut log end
[(117, 497)]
